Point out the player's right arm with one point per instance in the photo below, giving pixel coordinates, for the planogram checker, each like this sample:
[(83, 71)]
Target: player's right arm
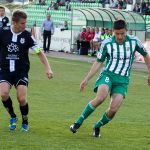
[(95, 67), (101, 55), (140, 48)]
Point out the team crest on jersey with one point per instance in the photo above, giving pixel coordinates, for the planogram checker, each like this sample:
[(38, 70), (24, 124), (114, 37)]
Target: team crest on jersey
[(22, 40), (99, 55)]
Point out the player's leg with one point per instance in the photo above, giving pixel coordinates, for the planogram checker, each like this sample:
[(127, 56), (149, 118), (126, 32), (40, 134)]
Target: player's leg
[(117, 95), (115, 104), (21, 84), (7, 102), (22, 99), (102, 93)]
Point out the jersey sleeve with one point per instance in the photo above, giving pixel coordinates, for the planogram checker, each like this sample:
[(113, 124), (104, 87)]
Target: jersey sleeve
[(140, 48), (102, 53), (34, 46)]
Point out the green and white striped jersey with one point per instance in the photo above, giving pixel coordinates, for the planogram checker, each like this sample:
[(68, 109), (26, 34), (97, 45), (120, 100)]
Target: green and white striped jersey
[(120, 56)]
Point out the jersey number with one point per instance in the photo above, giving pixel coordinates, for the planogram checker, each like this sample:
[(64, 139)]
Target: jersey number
[(107, 79)]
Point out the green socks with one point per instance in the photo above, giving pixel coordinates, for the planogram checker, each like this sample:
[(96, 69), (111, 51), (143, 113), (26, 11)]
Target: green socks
[(86, 112), (104, 120)]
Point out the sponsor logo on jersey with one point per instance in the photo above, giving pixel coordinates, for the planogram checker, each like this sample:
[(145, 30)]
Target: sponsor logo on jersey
[(121, 58), (12, 47)]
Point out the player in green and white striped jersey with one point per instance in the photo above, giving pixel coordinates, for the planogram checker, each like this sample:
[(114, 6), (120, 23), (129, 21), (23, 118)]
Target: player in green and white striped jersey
[(118, 51)]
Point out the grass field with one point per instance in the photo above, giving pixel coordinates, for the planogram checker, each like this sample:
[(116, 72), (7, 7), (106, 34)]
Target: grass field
[(55, 104)]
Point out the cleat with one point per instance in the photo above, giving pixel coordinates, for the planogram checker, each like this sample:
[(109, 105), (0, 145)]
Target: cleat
[(96, 132), (24, 128), (12, 125), (74, 127)]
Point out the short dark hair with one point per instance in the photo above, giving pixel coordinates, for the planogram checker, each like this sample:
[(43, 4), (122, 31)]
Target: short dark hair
[(17, 15), (119, 24), (1, 7)]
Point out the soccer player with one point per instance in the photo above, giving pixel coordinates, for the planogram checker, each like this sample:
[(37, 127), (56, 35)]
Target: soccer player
[(14, 66), (119, 52), (4, 21)]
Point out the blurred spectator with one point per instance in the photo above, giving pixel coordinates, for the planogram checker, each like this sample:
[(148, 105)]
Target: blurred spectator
[(120, 4), (130, 32), (88, 1), (33, 30), (103, 2), (96, 41), (102, 37), (113, 3), (42, 2), (110, 33), (78, 40), (129, 1), (83, 34), (143, 7), (4, 21), (88, 37), (68, 6), (84, 44), (53, 6), (124, 4), (106, 35), (136, 8), (146, 10), (61, 2), (65, 26)]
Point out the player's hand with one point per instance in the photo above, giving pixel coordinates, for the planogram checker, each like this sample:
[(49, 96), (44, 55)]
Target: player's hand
[(83, 84), (49, 74)]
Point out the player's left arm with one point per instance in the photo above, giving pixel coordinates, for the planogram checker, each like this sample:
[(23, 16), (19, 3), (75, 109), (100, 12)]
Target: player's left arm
[(36, 48), (44, 60), (140, 48), (147, 61)]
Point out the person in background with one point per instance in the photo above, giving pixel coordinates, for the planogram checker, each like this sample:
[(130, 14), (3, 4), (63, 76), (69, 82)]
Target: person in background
[(95, 41), (110, 32), (89, 37), (65, 26), (47, 30), (102, 37), (53, 6), (84, 46), (4, 21), (130, 32), (68, 6)]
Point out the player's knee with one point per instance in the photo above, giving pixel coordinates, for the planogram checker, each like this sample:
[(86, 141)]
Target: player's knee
[(97, 101), (21, 100), (100, 99), (112, 111), (4, 95)]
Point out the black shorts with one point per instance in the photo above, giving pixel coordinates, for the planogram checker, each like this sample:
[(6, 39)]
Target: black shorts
[(14, 78)]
